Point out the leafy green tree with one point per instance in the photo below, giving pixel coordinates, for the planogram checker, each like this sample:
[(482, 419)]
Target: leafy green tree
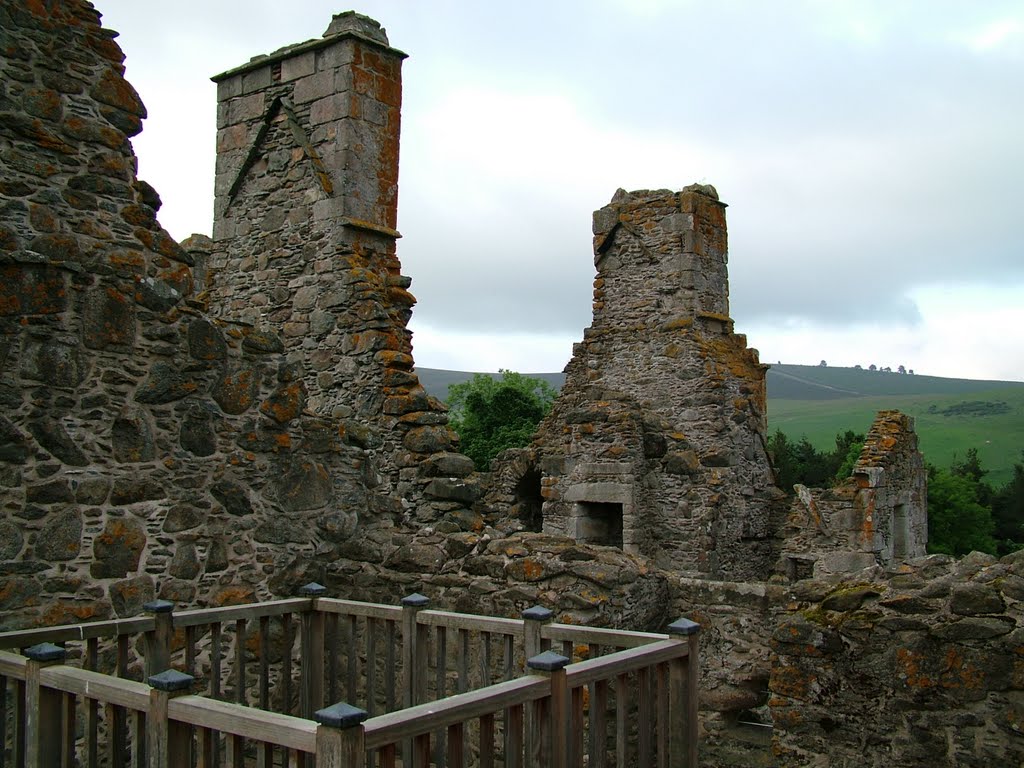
[(1008, 512), (800, 462), (958, 522), (492, 414)]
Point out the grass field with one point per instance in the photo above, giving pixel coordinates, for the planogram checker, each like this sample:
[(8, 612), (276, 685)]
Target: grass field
[(816, 403)]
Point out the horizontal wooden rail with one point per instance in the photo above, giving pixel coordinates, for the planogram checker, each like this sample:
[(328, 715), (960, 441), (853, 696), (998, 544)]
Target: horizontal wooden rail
[(25, 638), (613, 638), (470, 621), (423, 718), (12, 665), (200, 616), (355, 608), (93, 685), (624, 662), (239, 720)]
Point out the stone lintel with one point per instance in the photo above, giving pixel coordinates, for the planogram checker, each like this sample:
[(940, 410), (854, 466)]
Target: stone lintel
[(620, 493)]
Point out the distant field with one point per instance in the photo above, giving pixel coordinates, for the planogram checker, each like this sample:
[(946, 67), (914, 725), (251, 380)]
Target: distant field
[(818, 402)]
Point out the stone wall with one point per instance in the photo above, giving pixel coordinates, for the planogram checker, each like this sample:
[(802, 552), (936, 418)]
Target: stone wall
[(656, 443), (155, 440), (880, 514), (921, 665)]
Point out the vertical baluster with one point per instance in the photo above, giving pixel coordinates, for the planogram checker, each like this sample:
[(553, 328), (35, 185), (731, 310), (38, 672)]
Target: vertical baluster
[(389, 666), (119, 722), (3, 721), (463, 660), (661, 697), (440, 687), (67, 752), (139, 738), (484, 659), (264, 645), (621, 721), (264, 750), (487, 741), (215, 660), (371, 666), (286, 664), (576, 728), (331, 656), (240, 639), (455, 735), (352, 672), (598, 725), (645, 717), (92, 708), (514, 736)]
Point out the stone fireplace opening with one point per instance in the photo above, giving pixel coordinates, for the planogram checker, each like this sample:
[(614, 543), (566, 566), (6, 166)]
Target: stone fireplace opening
[(599, 522), (529, 503)]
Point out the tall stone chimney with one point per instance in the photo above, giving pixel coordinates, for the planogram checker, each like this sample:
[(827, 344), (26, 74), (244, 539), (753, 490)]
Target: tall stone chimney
[(657, 442), (304, 242), (306, 209)]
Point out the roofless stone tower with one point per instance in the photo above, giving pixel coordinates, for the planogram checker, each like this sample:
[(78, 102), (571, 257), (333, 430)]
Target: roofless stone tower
[(305, 232), (657, 441)]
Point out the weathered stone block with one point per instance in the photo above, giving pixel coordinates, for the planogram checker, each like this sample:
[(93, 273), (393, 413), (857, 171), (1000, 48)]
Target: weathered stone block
[(128, 596), (131, 437), (52, 436), (118, 549), (236, 390), (205, 341), (304, 486), (61, 537)]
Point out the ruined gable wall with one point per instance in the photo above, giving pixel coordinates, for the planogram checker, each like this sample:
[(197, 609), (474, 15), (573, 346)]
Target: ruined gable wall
[(662, 397), (880, 514), (306, 210), (149, 447)]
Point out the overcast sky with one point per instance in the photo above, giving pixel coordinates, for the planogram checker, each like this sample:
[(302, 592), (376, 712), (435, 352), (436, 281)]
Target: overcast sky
[(872, 155)]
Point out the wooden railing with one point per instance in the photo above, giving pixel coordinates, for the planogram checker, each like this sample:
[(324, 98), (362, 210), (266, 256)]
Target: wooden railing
[(418, 687)]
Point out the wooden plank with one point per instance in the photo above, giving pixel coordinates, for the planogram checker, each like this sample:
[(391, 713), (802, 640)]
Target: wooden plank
[(24, 638), (615, 638), (92, 712), (264, 673), (576, 729), (240, 696), (421, 751), (455, 734), (621, 721), (491, 624), (371, 665), (352, 668), (203, 616), (67, 746), (484, 659), (355, 608), (3, 721), (395, 726), (287, 670), (598, 731), (628, 660), (462, 660), (12, 665), (440, 686), (514, 736), (662, 727), (104, 688), (645, 717), (390, 657), (331, 651), (18, 744), (487, 741), (228, 717)]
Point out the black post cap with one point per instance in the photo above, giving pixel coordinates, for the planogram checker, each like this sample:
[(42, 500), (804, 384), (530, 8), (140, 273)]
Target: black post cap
[(683, 627), (45, 652), (313, 590), (538, 613), (170, 680), (159, 606), (548, 661), (415, 600), (340, 715)]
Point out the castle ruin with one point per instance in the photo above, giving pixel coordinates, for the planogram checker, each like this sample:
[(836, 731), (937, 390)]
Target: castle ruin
[(220, 421)]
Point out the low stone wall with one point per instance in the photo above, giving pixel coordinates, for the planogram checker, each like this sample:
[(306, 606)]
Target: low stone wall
[(923, 665)]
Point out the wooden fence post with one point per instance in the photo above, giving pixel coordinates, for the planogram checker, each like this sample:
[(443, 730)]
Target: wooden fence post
[(168, 743), (44, 716), (311, 690), (340, 739), (158, 640), (534, 620), (549, 740), (414, 660), (684, 676)]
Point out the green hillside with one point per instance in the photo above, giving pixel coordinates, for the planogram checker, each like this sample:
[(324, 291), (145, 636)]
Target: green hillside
[(952, 415)]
